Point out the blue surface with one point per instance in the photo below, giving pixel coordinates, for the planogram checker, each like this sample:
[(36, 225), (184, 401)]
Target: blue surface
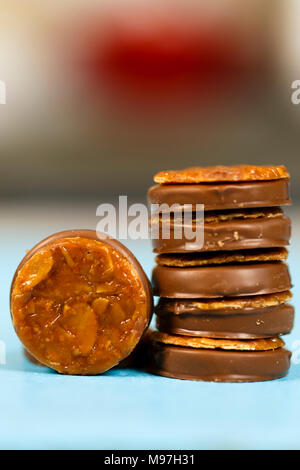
[(131, 410)]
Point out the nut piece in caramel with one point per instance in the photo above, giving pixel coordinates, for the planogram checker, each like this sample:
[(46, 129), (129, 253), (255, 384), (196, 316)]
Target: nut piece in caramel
[(35, 272), (100, 305), (79, 320), (215, 174), (80, 305)]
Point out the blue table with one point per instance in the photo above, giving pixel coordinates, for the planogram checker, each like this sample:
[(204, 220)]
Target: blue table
[(126, 409)]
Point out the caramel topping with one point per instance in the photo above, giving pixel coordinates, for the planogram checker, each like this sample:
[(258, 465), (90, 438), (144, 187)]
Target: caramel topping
[(195, 175)]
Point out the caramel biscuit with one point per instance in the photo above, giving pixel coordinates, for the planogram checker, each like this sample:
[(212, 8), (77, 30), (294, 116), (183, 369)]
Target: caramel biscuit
[(65, 287), (137, 359), (195, 175)]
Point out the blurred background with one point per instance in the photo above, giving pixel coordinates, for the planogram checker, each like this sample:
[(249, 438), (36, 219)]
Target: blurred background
[(103, 94)]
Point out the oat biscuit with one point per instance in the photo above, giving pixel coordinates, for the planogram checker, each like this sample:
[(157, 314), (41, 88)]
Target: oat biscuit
[(252, 302), (204, 259), (211, 343)]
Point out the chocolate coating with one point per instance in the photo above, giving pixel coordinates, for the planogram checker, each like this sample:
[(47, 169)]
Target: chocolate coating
[(223, 196), (236, 234), (221, 281), (219, 366), (250, 323)]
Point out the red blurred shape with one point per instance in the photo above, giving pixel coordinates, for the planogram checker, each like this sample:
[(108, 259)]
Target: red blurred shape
[(167, 63)]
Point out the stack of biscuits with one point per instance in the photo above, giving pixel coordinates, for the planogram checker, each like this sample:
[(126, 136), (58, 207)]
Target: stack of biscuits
[(223, 298)]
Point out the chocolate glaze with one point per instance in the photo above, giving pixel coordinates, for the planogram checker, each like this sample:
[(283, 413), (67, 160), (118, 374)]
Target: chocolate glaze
[(223, 196), (221, 281), (93, 235), (236, 234), (219, 366), (247, 323)]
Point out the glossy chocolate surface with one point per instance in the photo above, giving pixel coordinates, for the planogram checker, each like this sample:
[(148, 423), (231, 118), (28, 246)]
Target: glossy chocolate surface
[(223, 196), (217, 365), (236, 234), (248, 323), (221, 281)]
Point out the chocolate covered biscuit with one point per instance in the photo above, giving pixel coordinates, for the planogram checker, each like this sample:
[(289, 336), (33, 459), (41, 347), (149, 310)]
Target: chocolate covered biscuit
[(221, 280), (218, 360), (219, 366), (249, 229), (247, 323), (220, 196)]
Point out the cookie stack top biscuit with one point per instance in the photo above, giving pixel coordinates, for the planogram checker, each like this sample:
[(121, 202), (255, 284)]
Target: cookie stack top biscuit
[(220, 187)]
